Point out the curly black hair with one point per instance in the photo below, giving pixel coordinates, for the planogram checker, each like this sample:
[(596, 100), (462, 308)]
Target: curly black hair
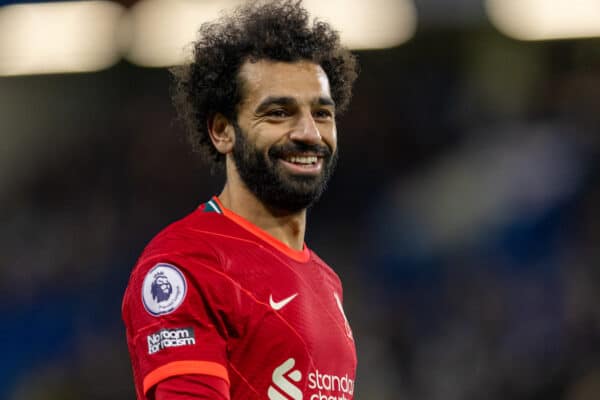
[(278, 30)]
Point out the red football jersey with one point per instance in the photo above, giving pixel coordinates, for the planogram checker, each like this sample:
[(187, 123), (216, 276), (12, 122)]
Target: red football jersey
[(212, 294)]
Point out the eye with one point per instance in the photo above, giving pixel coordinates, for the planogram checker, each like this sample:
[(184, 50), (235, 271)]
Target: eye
[(323, 114), (278, 113)]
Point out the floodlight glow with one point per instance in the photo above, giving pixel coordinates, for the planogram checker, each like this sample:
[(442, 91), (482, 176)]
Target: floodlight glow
[(58, 37), (544, 19), (158, 33), (373, 24)]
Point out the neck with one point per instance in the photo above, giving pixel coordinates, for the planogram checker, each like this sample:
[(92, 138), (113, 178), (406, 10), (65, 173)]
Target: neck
[(288, 228)]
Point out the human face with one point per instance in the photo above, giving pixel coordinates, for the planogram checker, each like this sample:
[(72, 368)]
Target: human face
[(285, 138)]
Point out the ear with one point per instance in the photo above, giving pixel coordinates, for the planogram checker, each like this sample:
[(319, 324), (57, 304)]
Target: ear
[(222, 133)]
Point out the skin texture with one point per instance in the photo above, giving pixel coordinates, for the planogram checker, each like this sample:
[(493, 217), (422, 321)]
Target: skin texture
[(309, 118), (279, 30)]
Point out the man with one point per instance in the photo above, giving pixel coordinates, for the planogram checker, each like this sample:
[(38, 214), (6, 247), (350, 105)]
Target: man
[(229, 302)]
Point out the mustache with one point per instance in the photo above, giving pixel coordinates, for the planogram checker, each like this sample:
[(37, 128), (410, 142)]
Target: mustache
[(293, 148)]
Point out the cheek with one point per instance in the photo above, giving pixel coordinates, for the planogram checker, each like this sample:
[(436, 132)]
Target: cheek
[(269, 138), (330, 137)]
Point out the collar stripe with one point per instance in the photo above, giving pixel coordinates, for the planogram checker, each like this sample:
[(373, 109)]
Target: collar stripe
[(214, 207)]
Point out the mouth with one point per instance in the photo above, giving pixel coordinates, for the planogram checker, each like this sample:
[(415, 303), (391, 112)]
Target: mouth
[(302, 160), (303, 164)]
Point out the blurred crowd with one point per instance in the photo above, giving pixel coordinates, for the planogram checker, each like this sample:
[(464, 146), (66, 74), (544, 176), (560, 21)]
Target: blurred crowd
[(463, 220)]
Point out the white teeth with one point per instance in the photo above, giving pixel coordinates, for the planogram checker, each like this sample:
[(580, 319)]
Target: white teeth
[(302, 160)]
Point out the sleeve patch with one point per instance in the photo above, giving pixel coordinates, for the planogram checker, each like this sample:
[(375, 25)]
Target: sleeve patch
[(163, 290), (166, 338)]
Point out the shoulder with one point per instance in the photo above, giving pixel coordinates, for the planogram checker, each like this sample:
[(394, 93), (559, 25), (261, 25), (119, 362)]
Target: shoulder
[(190, 232), (200, 237), (185, 253), (330, 275)]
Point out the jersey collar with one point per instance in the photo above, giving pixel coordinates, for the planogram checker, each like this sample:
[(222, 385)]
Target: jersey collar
[(214, 205)]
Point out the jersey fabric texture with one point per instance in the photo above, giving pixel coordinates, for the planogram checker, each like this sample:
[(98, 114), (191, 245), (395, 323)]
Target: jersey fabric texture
[(214, 295), (191, 387)]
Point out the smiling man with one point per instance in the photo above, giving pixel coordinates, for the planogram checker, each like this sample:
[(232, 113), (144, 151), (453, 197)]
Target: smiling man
[(229, 302)]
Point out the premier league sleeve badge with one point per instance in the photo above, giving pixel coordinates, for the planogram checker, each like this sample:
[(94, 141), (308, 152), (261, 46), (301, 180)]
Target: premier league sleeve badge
[(163, 290)]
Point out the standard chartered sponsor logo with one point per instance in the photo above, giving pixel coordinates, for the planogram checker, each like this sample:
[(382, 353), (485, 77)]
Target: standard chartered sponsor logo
[(321, 386), (340, 386), (283, 384), (170, 338)]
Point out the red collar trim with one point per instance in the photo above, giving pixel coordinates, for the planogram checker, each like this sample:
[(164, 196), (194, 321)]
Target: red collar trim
[(298, 255)]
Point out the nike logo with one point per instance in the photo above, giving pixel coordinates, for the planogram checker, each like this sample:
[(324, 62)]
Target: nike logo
[(278, 305)]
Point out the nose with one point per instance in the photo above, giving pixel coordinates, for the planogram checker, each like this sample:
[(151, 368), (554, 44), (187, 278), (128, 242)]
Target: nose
[(306, 130)]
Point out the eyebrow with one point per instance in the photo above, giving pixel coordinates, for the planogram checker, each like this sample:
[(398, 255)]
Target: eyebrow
[(290, 101), (274, 100), (325, 101)]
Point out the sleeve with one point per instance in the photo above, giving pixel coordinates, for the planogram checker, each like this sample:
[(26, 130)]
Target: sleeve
[(191, 387), (176, 320)]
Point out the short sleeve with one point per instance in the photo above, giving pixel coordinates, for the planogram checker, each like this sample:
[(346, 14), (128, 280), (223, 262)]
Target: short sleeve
[(173, 312), (188, 387)]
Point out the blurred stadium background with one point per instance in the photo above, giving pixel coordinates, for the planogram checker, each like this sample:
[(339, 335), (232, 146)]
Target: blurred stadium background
[(464, 217)]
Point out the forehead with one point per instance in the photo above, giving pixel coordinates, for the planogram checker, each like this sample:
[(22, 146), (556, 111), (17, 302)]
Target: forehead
[(303, 80)]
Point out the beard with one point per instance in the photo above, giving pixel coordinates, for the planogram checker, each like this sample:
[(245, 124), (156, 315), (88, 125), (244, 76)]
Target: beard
[(275, 187)]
